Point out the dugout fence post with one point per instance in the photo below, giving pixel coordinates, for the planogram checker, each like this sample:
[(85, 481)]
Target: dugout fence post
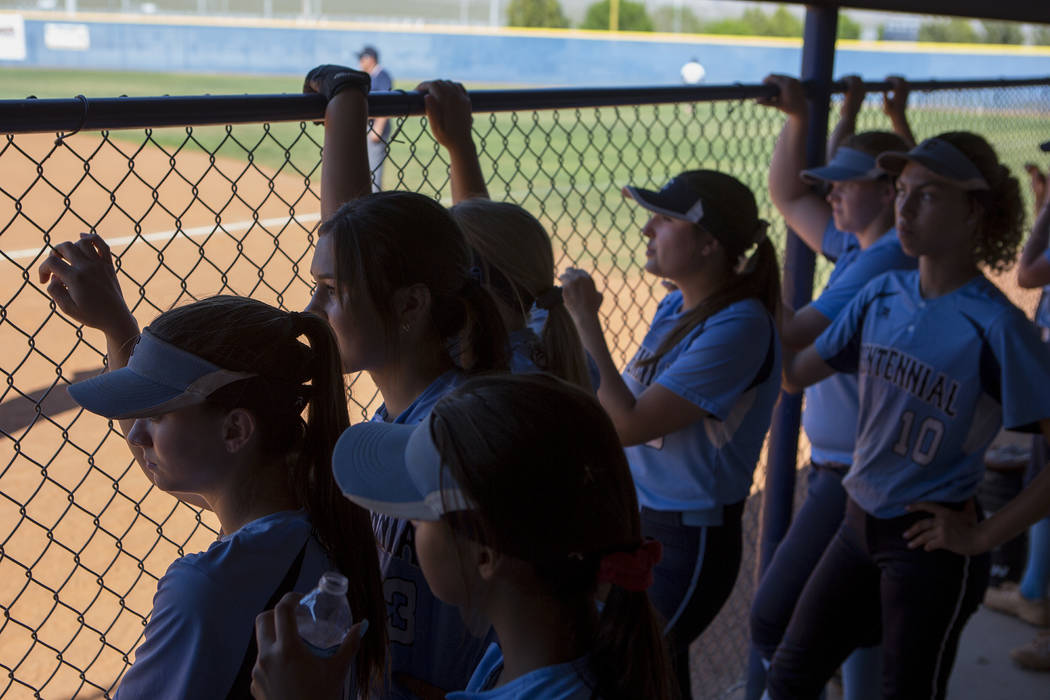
[(818, 62)]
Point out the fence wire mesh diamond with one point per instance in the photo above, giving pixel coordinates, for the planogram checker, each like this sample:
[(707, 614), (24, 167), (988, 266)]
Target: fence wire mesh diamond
[(193, 212)]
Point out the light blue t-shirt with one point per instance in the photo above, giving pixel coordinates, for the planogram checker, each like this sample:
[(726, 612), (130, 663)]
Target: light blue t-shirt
[(937, 377), (568, 681), (428, 639), (729, 365), (1042, 312), (204, 611), (830, 418), (526, 355)]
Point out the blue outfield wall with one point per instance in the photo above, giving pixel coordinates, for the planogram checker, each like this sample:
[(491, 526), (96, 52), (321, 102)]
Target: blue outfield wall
[(185, 44)]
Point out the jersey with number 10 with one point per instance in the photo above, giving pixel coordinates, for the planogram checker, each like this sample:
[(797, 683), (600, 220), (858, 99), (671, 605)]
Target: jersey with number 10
[(937, 379)]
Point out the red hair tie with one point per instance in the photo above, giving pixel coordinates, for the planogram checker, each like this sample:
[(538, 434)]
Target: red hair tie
[(632, 571)]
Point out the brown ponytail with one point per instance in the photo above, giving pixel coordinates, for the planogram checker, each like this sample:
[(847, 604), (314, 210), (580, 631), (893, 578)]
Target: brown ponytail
[(243, 334)]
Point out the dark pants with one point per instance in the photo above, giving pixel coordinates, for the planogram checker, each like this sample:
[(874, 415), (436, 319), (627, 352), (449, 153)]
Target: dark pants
[(694, 578), (869, 586), (796, 557)]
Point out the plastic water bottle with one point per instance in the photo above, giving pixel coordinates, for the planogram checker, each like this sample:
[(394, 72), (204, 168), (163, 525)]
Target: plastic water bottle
[(323, 615)]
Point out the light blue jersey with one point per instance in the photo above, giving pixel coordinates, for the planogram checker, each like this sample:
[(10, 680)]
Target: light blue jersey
[(204, 611), (729, 365), (937, 377), (1042, 312), (830, 418), (526, 355), (568, 681), (428, 639)]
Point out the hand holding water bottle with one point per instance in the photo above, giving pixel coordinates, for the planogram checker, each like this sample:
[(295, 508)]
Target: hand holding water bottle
[(323, 615), (286, 668)]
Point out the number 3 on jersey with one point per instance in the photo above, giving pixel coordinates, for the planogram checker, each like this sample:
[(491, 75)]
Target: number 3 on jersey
[(928, 439)]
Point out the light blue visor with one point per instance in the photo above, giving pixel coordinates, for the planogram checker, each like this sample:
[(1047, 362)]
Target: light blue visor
[(942, 159), (158, 378), (847, 164), (395, 469)]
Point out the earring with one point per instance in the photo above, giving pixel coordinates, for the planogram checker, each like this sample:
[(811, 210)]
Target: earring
[(405, 328)]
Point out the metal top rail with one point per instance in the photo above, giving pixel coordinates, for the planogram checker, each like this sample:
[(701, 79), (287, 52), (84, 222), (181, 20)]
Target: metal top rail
[(74, 114)]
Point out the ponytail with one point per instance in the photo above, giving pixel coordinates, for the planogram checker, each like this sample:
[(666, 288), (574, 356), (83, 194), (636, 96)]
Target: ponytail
[(564, 350), (629, 658), (484, 337), (343, 528), (759, 279)]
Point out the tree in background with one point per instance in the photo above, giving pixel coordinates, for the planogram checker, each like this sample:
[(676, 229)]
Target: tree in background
[(536, 13), (755, 22), (1041, 35), (1002, 33), (633, 17), (849, 28), (664, 20), (958, 31)]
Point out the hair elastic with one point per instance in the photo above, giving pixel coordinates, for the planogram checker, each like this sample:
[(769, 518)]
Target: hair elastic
[(631, 571), (745, 262), (549, 299)]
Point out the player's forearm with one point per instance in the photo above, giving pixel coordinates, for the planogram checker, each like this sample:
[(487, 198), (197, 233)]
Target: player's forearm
[(789, 158), (1034, 248), (902, 128), (344, 165), (613, 393), (1029, 506), (465, 172), (846, 127)]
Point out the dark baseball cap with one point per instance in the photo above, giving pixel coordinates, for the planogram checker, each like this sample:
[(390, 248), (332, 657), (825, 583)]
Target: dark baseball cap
[(1045, 146), (720, 203), (368, 51), (942, 159)]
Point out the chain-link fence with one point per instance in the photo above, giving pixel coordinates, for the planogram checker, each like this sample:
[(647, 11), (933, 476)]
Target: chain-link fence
[(192, 212)]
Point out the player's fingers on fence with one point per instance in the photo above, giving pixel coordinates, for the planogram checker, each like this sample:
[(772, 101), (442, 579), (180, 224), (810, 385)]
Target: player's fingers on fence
[(60, 293), (53, 266), (71, 253), (99, 245)]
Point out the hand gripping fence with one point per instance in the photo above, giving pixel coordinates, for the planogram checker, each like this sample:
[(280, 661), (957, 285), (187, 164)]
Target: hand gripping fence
[(205, 195)]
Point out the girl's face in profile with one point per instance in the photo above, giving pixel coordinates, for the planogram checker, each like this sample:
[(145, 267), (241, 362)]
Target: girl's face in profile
[(673, 248), (445, 560), (357, 327), (934, 217), (183, 450)]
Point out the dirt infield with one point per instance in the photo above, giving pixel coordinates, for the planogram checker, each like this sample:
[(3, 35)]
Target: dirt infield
[(83, 535)]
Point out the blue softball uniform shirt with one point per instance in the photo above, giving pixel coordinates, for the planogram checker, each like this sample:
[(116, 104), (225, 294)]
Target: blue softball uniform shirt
[(1042, 312), (728, 365), (568, 681), (938, 378), (428, 638), (830, 418)]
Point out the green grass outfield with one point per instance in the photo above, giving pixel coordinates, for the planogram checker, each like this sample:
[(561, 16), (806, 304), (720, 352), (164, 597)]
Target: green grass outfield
[(566, 166)]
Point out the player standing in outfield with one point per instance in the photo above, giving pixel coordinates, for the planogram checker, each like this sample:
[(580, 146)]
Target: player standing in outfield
[(525, 513), (853, 227), (943, 360), (211, 401), (694, 404), (393, 275), (512, 250), (378, 127)]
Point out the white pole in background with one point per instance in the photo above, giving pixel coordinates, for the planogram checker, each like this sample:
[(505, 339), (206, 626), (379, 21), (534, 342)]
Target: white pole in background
[(71, 7), (494, 13)]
